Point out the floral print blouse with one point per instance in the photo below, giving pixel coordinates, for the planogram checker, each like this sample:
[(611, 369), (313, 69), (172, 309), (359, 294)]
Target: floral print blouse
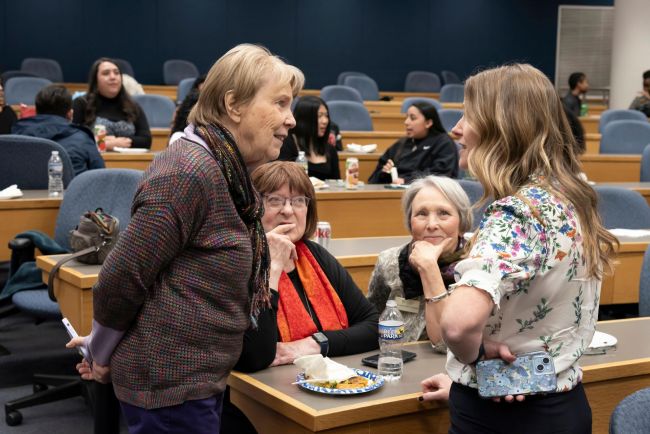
[(528, 257)]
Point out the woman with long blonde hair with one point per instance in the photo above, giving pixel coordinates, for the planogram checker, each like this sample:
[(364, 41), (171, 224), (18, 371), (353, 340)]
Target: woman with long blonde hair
[(532, 279)]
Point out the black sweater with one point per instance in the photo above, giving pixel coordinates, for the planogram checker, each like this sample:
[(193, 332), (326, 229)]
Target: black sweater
[(110, 109), (7, 119), (436, 154), (361, 335), (327, 170)]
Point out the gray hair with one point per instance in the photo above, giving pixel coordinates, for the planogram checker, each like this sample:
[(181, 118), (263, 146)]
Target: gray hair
[(449, 188)]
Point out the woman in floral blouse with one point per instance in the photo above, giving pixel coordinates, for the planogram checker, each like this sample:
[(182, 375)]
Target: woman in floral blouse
[(532, 279)]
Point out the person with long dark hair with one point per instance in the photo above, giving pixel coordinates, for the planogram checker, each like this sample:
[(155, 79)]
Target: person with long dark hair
[(312, 136), (427, 149), (107, 103), (183, 110)]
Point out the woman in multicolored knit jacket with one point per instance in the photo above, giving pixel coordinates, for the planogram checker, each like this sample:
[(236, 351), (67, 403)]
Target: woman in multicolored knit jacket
[(190, 273)]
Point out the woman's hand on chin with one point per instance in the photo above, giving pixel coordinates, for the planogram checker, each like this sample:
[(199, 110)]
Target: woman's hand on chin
[(287, 352), (424, 255)]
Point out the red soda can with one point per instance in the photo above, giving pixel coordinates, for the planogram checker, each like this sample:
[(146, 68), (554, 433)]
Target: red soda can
[(323, 234)]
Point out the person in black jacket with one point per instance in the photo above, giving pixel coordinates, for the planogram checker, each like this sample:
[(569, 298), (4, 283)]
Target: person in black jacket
[(427, 149), (314, 135), (107, 103), (52, 121), (316, 308)]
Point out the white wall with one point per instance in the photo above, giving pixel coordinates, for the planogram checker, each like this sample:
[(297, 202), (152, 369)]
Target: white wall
[(630, 50)]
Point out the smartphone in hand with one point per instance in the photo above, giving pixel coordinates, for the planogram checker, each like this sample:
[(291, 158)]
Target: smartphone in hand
[(529, 374), (83, 351)]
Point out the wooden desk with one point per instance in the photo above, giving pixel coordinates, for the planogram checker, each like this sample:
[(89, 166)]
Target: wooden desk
[(274, 405), (159, 139), (34, 211), (155, 89), (116, 160), (394, 107), (383, 139), (592, 143), (387, 121), (590, 123), (401, 96), (367, 163), (612, 167)]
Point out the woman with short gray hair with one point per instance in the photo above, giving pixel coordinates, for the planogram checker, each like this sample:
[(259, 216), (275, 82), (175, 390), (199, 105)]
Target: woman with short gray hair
[(436, 209)]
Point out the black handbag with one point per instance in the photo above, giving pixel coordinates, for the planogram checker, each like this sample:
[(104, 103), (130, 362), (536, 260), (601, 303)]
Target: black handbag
[(91, 241)]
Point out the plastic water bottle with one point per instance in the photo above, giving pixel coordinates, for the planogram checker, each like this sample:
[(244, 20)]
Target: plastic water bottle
[(55, 175), (584, 109), (391, 338), (302, 160)]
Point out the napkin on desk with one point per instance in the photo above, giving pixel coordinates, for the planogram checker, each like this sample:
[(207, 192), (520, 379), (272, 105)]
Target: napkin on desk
[(600, 343), (322, 369), (631, 233), (11, 192), (130, 150)]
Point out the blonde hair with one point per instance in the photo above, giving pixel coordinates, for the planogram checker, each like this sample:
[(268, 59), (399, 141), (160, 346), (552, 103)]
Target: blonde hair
[(523, 130), (450, 189), (242, 70)]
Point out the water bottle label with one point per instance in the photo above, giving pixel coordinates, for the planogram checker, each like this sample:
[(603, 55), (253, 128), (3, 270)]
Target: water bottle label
[(391, 332)]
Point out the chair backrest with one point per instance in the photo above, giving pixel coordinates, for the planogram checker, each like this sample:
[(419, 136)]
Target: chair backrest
[(644, 285), (110, 189), (645, 164), (619, 115), (45, 68), (474, 191), (408, 102), (158, 109), (175, 70), (125, 66), (622, 208), (625, 137), (631, 415), (450, 77), (337, 92), (366, 86), (452, 93), (350, 115), (450, 117), (7, 75), (23, 161), (23, 90), (422, 81), (184, 88), (342, 76)]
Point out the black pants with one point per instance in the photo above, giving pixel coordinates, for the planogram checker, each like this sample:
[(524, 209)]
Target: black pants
[(567, 412)]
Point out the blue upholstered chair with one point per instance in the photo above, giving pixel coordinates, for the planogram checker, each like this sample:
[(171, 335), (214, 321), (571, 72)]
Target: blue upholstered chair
[(625, 137), (175, 70), (644, 285), (23, 90), (474, 191), (7, 75), (125, 66), (408, 102), (350, 115), (422, 81), (158, 109), (113, 191), (184, 88), (450, 117), (366, 86), (631, 415), (23, 161), (450, 77), (45, 68), (345, 74), (619, 115), (337, 92), (452, 93), (645, 164), (622, 208)]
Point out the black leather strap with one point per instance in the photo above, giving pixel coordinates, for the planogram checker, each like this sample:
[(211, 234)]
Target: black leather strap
[(55, 269)]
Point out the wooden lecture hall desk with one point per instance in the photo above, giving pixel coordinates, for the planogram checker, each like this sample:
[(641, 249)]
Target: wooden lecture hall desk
[(155, 89)]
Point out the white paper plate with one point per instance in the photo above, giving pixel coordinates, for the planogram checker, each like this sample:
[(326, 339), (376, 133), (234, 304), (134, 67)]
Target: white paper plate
[(131, 150)]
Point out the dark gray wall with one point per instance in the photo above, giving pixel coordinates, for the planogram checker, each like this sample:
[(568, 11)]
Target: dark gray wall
[(383, 38)]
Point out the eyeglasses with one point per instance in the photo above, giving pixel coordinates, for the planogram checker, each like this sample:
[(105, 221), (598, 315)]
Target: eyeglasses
[(277, 202)]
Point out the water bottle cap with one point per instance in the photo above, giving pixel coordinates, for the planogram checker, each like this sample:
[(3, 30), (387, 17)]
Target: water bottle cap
[(301, 153), (391, 303), (55, 152)]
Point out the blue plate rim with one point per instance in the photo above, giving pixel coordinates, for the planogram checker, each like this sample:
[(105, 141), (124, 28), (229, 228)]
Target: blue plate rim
[(378, 382)]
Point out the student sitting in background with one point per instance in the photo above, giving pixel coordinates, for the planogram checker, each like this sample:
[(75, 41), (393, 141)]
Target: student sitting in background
[(7, 115), (183, 110), (578, 87), (52, 121), (642, 102)]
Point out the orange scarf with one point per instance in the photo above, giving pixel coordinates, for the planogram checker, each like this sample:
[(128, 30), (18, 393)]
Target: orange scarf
[(294, 322)]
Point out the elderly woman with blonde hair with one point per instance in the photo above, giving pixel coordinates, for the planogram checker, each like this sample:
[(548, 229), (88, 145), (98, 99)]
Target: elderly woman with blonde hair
[(436, 210), (191, 271)]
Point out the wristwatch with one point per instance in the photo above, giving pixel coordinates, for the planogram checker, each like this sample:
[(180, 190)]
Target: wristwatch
[(324, 343)]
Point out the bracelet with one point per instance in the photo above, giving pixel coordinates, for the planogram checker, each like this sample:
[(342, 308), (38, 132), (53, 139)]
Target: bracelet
[(481, 353), (437, 298)]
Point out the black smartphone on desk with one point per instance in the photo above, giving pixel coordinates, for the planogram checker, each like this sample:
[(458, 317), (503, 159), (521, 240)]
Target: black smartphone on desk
[(373, 360)]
